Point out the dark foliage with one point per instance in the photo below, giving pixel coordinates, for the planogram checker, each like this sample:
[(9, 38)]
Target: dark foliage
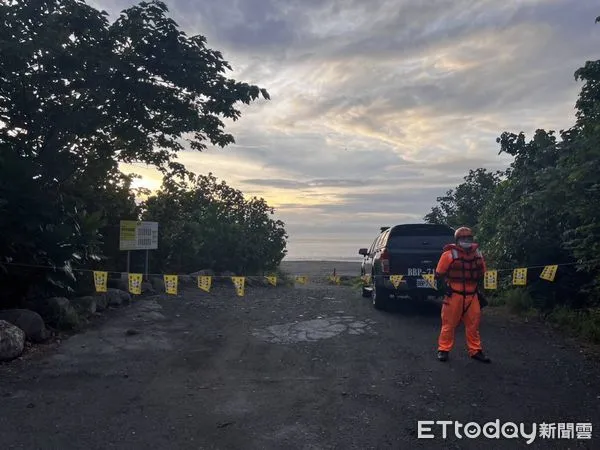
[(78, 96), (545, 208)]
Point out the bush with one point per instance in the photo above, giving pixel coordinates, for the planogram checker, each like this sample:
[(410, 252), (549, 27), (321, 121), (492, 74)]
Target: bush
[(205, 224), (283, 278), (496, 299), (518, 301), (582, 323)]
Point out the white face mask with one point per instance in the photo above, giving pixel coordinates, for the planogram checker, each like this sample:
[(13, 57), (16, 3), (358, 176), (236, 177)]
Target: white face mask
[(465, 244)]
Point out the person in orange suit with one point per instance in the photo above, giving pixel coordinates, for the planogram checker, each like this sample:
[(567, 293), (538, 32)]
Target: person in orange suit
[(461, 268)]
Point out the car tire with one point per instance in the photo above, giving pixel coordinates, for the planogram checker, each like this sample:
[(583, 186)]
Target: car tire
[(380, 297)]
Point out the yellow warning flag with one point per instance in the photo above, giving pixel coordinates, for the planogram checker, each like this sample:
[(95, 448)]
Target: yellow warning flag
[(171, 284), (490, 279), (204, 282), (301, 279), (549, 273), (238, 282), (272, 280), (334, 279), (430, 278), (101, 281), (366, 278), (135, 283), (396, 280), (520, 276)]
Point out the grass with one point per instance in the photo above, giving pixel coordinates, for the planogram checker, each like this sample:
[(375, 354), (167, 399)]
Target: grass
[(519, 302), (584, 324), (283, 278), (354, 282)]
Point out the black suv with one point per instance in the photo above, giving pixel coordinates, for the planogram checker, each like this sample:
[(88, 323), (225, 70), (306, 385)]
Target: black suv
[(411, 250)]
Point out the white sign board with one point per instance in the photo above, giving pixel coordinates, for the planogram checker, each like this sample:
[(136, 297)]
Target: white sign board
[(138, 235)]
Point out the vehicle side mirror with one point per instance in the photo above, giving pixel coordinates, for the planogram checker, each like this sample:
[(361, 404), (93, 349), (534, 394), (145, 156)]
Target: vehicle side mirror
[(363, 251)]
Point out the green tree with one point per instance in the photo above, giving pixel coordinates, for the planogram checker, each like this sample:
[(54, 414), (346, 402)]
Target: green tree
[(79, 95), (544, 208), (524, 222), (519, 224), (462, 206), (578, 171), (205, 224)]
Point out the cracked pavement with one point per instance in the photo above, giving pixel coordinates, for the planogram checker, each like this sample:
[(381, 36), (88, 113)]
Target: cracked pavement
[(314, 367)]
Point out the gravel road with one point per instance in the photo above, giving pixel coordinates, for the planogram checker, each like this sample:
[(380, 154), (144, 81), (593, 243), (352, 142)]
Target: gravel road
[(305, 367)]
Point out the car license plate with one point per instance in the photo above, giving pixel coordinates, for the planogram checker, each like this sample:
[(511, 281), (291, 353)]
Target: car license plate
[(414, 272), (421, 283)]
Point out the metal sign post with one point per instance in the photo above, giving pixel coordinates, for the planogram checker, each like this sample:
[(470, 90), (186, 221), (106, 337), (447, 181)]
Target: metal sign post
[(138, 235)]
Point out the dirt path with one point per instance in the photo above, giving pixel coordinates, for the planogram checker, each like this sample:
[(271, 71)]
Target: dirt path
[(309, 367)]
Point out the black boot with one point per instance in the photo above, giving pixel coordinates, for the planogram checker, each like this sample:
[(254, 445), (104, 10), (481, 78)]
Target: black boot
[(479, 356), (442, 356)]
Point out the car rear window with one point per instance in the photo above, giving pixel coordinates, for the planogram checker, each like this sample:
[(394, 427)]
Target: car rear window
[(419, 236)]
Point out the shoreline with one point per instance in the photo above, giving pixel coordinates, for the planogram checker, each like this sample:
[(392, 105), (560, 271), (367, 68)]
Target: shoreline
[(358, 261), (320, 268)]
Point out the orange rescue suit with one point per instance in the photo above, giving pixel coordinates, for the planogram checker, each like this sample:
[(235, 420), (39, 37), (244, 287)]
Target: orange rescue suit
[(463, 269)]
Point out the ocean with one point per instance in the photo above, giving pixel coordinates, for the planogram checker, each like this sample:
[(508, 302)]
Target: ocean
[(324, 258), (326, 249)]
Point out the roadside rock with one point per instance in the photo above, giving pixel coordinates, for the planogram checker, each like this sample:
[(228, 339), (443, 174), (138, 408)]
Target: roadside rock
[(203, 272), (118, 283), (224, 277), (148, 288), (101, 301), (158, 283), (117, 297), (186, 280), (56, 312), (12, 341), (257, 281), (85, 306), (30, 322)]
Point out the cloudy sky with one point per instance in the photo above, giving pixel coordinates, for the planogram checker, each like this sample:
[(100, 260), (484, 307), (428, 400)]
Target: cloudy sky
[(379, 106)]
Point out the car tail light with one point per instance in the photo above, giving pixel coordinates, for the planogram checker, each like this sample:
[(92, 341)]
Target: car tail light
[(385, 261)]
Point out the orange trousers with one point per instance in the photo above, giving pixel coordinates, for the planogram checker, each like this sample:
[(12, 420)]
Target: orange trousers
[(456, 308)]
